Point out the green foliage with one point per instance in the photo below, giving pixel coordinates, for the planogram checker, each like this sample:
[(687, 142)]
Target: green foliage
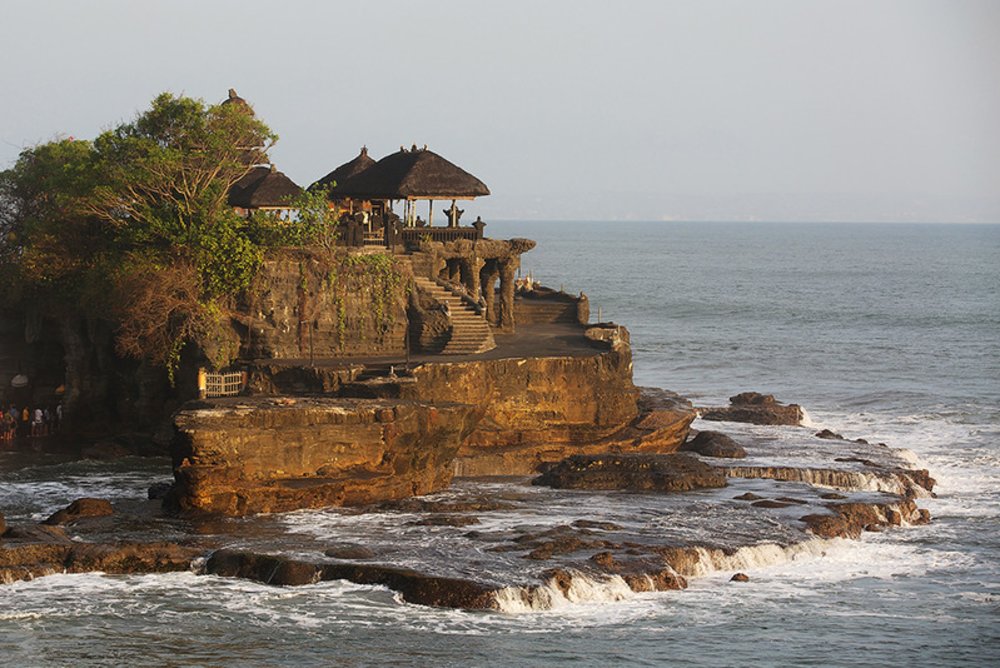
[(313, 224), (382, 280), (136, 226)]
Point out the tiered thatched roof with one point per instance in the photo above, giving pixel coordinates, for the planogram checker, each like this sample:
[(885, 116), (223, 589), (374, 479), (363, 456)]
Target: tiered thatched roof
[(413, 174), (345, 171), (263, 187)]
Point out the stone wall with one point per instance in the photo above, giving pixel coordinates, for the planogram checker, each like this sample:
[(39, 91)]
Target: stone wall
[(543, 306), (306, 303)]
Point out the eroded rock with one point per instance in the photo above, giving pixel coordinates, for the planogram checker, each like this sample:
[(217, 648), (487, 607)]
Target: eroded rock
[(755, 408), (238, 457), (714, 444), (660, 473), (80, 509)]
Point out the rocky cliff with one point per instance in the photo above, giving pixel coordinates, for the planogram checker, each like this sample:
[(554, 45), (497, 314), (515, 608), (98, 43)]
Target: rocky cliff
[(538, 410), (269, 455)]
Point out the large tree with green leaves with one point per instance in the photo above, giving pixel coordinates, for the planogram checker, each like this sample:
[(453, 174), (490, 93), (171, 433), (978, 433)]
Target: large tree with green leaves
[(135, 226)]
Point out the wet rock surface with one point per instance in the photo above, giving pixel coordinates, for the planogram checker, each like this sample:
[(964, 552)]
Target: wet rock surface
[(714, 444), (503, 543), (81, 508), (755, 408), (660, 473)]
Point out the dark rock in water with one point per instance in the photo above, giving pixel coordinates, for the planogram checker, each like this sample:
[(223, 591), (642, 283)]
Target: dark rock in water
[(789, 499), (130, 558), (3, 525), (104, 450), (350, 552), (417, 505), (37, 533), (755, 408), (849, 520), (445, 521), (595, 524), (832, 495), (81, 508), (770, 503), (413, 586), (714, 444), (660, 473), (740, 577), (159, 490), (36, 551), (749, 496), (832, 435)]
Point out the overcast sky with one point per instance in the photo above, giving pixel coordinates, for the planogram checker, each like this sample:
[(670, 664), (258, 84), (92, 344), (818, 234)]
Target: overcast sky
[(768, 109)]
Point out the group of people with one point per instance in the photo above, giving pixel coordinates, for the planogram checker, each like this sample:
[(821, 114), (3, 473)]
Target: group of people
[(27, 422)]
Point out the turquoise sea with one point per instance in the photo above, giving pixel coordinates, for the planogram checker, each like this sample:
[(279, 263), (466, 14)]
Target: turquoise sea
[(889, 332)]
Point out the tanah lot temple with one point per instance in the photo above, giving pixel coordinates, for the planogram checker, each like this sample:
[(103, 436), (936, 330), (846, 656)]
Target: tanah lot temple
[(466, 286)]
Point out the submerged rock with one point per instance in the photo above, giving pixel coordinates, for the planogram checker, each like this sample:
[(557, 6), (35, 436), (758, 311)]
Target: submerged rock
[(740, 577), (755, 408), (659, 473), (714, 444), (350, 552), (159, 490), (414, 587)]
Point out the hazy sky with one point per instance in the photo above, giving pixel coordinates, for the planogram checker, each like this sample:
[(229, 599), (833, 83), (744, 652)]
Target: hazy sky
[(790, 110)]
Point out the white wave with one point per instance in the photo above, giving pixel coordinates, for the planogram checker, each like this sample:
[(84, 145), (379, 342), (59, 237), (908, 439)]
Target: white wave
[(582, 589), (807, 420)]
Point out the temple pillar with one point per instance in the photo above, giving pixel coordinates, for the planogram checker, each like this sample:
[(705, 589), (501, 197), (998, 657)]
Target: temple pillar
[(508, 271), (469, 274), (487, 284)]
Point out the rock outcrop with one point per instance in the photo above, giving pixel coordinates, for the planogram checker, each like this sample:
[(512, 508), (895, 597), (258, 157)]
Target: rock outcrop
[(79, 509), (413, 586), (270, 455), (659, 473), (538, 410), (714, 444), (35, 556), (755, 408)]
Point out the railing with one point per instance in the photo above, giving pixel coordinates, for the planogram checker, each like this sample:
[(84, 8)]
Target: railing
[(414, 235), (213, 385), (353, 233)]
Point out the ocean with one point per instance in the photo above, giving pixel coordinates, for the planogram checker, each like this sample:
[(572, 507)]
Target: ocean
[(890, 332)]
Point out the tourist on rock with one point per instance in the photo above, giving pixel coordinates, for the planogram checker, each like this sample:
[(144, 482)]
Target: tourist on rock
[(38, 423)]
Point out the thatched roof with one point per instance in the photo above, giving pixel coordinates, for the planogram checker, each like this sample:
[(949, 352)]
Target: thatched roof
[(263, 187), (345, 171), (413, 174)]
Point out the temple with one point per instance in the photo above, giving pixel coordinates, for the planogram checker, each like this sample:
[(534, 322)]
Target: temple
[(464, 282)]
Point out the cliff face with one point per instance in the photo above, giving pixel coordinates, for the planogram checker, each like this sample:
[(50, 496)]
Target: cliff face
[(538, 410), (306, 303), (270, 455)]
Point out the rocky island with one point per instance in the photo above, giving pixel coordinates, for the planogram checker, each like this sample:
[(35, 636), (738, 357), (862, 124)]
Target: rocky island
[(441, 427)]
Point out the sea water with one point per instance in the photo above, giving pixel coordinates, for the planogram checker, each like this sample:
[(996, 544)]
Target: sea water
[(886, 332)]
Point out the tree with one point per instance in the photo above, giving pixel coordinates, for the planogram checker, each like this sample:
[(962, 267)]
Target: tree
[(135, 225)]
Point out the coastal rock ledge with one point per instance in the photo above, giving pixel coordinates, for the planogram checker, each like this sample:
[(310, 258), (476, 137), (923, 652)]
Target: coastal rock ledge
[(262, 455)]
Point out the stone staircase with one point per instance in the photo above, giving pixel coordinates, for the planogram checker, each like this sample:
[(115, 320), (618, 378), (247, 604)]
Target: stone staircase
[(470, 333)]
